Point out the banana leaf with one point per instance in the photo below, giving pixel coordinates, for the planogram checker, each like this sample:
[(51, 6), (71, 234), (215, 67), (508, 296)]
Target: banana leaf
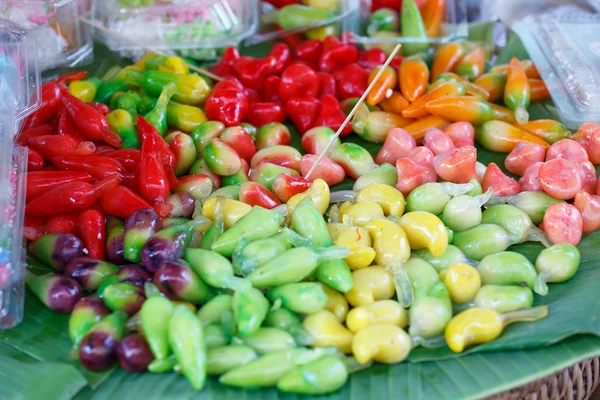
[(525, 352), (469, 377), (22, 377)]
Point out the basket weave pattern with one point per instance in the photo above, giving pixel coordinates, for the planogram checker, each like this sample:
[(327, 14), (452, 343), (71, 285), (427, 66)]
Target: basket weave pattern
[(577, 382)]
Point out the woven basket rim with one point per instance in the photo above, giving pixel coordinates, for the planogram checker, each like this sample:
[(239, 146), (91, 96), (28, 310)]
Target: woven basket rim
[(576, 382)]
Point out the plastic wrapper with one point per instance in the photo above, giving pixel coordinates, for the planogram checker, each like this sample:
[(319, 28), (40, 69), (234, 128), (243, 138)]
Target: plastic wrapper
[(564, 45), (19, 73), (342, 15), (454, 26), (63, 40), (191, 28)]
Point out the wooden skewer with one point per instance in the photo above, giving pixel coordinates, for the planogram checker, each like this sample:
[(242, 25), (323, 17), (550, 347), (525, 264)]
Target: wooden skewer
[(145, 47), (354, 109)]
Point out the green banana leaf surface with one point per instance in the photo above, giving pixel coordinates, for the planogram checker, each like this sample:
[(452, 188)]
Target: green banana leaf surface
[(34, 363)]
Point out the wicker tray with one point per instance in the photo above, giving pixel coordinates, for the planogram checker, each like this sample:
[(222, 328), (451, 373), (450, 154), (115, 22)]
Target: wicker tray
[(578, 382)]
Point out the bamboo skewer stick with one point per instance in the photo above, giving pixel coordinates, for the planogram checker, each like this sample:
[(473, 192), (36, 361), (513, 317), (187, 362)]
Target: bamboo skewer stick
[(146, 47), (354, 109)]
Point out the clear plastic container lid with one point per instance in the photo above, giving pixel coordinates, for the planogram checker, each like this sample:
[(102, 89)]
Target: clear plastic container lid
[(595, 4), (343, 18), (453, 27), (564, 44), (12, 207), (19, 72), (177, 24), (63, 40)]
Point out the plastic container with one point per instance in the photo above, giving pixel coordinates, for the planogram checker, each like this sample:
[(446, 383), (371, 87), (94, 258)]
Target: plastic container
[(191, 28), (19, 73), (454, 27), (12, 207), (344, 18), (63, 40), (19, 96), (595, 4), (564, 44)]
